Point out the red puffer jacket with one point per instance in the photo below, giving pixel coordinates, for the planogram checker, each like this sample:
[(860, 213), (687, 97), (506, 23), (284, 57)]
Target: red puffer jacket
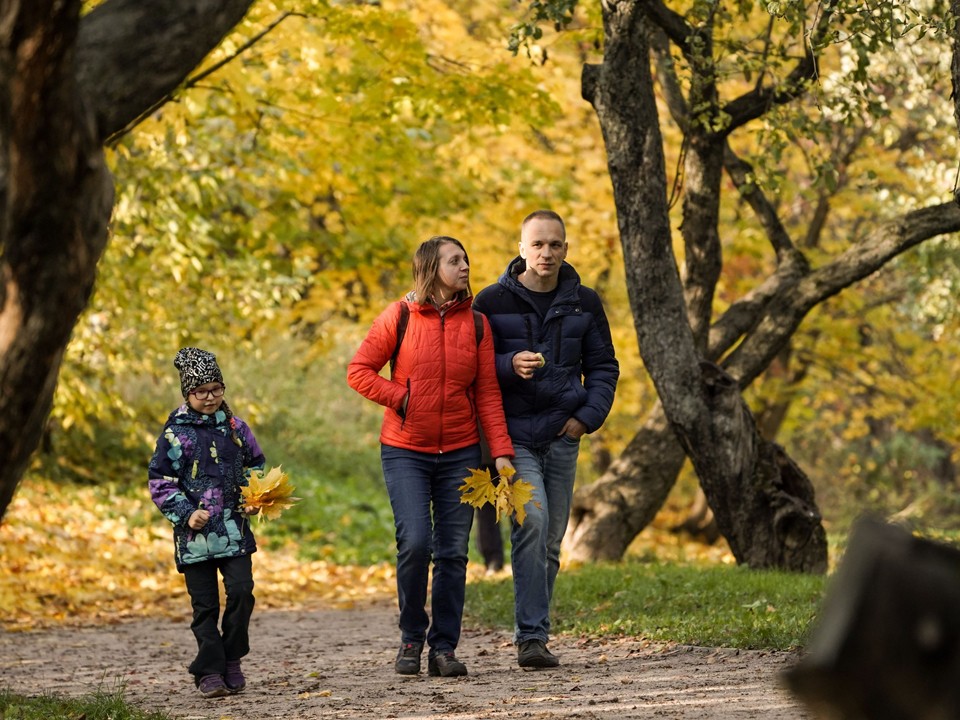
[(450, 380)]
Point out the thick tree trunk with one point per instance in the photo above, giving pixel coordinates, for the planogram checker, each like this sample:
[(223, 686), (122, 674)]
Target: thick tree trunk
[(780, 525), (698, 397), (784, 302), (57, 197), (608, 514), (763, 503), (65, 86)]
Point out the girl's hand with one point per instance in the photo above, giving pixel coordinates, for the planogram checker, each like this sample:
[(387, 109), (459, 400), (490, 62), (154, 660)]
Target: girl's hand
[(248, 510), (198, 519)]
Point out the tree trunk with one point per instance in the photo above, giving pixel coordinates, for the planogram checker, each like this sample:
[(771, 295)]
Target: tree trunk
[(608, 514), (701, 402), (65, 86), (778, 525), (763, 503)]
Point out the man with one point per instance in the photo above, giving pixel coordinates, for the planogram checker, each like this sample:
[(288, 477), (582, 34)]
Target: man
[(558, 373)]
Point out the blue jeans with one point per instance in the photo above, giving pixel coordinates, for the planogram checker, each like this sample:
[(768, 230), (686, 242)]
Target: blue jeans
[(432, 524), (535, 554)]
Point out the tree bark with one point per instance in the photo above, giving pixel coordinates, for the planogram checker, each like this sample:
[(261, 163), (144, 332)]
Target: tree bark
[(762, 501), (66, 85), (608, 514), (602, 526)]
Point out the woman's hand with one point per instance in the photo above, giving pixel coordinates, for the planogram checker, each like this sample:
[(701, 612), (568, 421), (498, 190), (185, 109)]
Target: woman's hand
[(502, 463), (198, 519)]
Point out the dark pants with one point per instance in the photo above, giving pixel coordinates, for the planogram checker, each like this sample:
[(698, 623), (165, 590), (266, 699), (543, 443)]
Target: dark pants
[(489, 538), (214, 647)]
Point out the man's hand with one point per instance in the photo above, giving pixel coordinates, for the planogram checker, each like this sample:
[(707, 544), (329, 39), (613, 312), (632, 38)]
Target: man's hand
[(198, 519), (573, 428), (525, 363)]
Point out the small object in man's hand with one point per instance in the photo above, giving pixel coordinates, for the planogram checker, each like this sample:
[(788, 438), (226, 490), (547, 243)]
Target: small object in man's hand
[(543, 360)]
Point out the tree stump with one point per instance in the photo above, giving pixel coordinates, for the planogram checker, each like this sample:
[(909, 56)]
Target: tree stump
[(887, 643)]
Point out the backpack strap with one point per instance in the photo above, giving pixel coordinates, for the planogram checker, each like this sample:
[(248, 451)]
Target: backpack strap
[(478, 325), (402, 329)]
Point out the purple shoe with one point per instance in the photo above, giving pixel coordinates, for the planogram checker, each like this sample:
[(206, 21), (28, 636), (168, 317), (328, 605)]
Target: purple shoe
[(233, 677), (212, 686)]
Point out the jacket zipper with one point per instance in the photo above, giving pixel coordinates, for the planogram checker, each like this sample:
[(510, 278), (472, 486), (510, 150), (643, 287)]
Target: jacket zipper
[(443, 377)]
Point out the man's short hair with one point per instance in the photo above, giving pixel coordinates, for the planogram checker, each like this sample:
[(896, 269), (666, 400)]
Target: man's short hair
[(544, 215)]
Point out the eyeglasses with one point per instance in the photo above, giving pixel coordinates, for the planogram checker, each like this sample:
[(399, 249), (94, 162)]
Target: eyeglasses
[(207, 394)]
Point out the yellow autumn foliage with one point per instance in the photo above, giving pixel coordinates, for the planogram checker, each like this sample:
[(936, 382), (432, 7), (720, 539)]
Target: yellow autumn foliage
[(76, 555), (509, 497), (268, 494)]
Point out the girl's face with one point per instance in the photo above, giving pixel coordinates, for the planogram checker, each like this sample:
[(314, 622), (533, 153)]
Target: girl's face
[(207, 398), (453, 275)]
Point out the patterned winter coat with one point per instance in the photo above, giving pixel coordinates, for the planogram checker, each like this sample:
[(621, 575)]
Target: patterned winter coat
[(450, 380), (581, 371), (204, 459)]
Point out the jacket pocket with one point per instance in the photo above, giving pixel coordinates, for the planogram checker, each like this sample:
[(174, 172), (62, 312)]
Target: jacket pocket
[(404, 411)]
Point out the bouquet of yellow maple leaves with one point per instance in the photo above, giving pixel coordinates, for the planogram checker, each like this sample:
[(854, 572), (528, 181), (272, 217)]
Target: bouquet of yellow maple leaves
[(268, 494), (509, 497)]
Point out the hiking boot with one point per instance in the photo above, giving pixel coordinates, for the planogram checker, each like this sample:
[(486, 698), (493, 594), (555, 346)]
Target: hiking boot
[(233, 677), (534, 654), (445, 664), (212, 686), (408, 659)]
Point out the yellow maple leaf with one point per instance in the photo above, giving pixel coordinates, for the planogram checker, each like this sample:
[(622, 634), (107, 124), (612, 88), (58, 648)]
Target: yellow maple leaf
[(269, 494), (522, 494), (477, 489), (508, 497)]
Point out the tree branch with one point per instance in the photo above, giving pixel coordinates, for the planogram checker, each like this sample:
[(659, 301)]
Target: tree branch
[(130, 53), (758, 101), (784, 314), (198, 78)]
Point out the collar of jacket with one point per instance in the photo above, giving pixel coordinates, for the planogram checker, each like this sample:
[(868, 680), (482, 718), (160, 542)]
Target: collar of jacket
[(186, 415), (568, 281), (462, 300)]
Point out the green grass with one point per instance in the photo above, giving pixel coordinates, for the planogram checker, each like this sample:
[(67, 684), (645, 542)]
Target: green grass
[(720, 606), (98, 706)]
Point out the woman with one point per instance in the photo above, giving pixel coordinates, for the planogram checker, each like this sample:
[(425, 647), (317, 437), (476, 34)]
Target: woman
[(443, 382)]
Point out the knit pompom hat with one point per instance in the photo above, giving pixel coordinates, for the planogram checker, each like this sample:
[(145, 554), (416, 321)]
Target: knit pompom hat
[(197, 367)]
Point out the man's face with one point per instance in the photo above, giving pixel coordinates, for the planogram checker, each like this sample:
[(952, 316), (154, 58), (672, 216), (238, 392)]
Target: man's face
[(543, 246)]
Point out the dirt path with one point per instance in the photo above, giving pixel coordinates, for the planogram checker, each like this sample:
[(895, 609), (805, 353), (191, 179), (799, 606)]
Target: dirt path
[(338, 664)]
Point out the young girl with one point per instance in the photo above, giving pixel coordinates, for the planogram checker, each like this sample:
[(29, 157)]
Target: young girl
[(203, 457), (443, 382)]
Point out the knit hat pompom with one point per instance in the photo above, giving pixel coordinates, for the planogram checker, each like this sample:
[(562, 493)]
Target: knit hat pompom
[(197, 367)]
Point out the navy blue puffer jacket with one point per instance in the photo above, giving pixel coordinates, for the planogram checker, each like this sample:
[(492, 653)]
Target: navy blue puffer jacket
[(581, 371)]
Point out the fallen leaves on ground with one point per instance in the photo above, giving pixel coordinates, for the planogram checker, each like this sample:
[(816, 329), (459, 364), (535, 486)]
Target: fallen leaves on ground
[(79, 556), (69, 557)]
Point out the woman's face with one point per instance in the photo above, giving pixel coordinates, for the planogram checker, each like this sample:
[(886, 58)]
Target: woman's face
[(453, 275)]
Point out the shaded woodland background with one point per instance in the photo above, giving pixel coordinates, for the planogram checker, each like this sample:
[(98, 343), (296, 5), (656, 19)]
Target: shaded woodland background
[(265, 205)]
